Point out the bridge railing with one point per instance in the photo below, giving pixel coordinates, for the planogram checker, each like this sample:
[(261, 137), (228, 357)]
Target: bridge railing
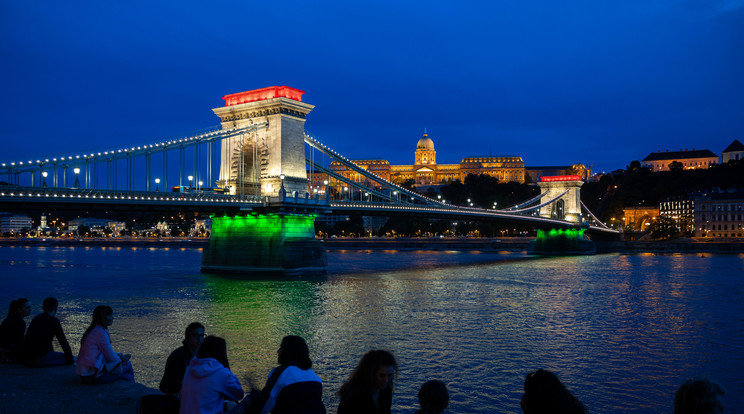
[(80, 194)]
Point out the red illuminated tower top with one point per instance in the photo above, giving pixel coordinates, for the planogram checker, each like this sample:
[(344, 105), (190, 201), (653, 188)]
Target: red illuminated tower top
[(553, 178), (263, 94)]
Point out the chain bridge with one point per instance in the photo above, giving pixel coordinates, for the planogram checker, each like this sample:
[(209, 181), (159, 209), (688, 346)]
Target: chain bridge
[(259, 162)]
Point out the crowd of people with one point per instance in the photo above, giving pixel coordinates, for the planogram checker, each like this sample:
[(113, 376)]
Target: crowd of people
[(197, 376)]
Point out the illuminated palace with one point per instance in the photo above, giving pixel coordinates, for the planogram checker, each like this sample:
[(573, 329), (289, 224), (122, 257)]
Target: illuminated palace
[(425, 171)]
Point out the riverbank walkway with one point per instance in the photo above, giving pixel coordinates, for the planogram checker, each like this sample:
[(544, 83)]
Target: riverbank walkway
[(58, 390)]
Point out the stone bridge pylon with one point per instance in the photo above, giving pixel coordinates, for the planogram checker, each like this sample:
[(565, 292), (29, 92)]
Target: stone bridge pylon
[(568, 207), (261, 162), (256, 163)]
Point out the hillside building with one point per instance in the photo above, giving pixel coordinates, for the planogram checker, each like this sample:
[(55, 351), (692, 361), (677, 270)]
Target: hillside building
[(690, 160), (733, 152)]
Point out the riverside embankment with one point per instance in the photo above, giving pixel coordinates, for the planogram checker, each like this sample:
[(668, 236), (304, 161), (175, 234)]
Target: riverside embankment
[(522, 243), (58, 390), (511, 244)]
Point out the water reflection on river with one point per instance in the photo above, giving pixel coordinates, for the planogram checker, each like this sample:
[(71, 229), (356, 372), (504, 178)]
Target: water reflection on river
[(623, 331)]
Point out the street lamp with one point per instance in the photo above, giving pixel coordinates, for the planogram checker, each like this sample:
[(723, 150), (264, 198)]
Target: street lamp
[(45, 175), (157, 184), (201, 183), (191, 178), (76, 170)]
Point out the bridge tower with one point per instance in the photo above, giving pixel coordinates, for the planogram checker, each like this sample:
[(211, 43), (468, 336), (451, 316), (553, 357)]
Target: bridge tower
[(568, 207), (257, 162)]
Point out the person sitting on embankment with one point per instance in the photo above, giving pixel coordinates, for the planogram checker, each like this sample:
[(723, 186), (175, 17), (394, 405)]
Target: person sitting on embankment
[(292, 387), (369, 390), (433, 397), (699, 396), (12, 331), (208, 381), (180, 359), (97, 363), (545, 394), (38, 348)]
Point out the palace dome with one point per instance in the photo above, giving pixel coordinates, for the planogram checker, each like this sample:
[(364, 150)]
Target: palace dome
[(425, 143)]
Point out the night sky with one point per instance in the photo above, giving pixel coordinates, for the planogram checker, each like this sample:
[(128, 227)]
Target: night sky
[(557, 83)]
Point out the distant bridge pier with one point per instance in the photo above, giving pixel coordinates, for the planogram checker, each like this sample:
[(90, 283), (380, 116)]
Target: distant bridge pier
[(260, 162), (568, 207)]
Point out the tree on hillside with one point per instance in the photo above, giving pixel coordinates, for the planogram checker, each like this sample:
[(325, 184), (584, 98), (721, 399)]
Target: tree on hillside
[(664, 228), (408, 184), (676, 166), (82, 229), (634, 165)]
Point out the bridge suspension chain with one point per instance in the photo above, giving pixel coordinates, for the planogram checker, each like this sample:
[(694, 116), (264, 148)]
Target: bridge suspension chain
[(60, 167), (314, 143), (583, 206)]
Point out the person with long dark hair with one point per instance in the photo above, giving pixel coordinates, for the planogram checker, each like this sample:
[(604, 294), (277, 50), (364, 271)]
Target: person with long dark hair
[(292, 387), (208, 381), (97, 363), (38, 348), (370, 387), (12, 330), (545, 394), (180, 358)]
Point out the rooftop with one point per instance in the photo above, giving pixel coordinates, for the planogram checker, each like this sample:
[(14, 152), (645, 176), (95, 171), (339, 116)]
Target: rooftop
[(675, 155), (735, 146)]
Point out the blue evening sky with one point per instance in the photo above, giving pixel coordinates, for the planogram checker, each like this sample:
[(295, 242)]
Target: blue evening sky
[(556, 82)]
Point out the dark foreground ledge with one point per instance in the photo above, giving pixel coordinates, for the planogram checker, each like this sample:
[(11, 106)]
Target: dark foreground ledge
[(58, 390)]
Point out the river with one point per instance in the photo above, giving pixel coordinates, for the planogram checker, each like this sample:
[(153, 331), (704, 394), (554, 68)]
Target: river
[(621, 331)]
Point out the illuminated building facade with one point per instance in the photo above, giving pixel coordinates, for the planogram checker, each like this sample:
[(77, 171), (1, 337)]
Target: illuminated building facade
[(720, 216), (680, 210), (733, 152), (425, 171), (14, 223), (690, 160)]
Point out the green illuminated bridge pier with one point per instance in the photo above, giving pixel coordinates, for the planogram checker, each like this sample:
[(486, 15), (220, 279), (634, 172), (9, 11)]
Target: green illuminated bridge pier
[(252, 174)]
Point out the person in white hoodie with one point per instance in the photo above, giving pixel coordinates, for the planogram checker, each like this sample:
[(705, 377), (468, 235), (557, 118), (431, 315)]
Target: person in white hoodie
[(208, 381)]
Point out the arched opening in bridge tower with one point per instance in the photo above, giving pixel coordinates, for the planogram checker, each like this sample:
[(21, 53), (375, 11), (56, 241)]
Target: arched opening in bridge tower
[(560, 211), (248, 163)]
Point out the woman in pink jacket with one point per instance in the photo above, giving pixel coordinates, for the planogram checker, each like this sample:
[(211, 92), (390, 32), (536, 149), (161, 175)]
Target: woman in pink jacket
[(208, 381), (97, 363)]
